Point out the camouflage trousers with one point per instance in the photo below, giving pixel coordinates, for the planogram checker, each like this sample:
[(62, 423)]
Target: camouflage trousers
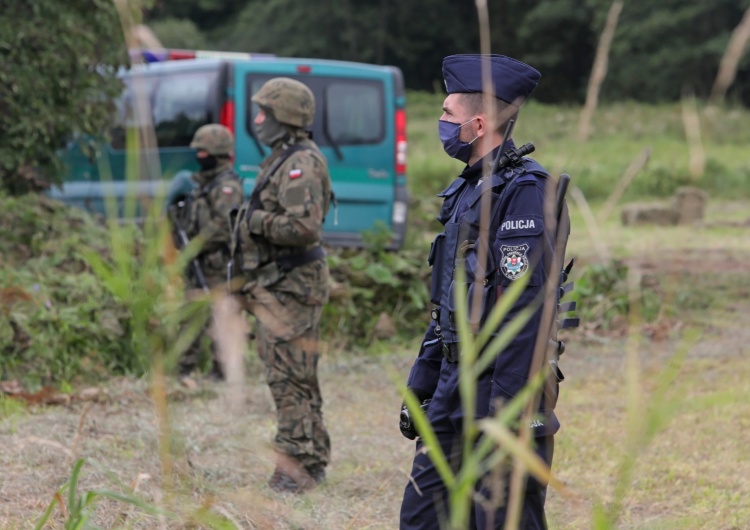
[(291, 367)]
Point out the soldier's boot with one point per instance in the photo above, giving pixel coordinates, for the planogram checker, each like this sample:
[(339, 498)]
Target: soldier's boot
[(318, 473), (189, 361), (283, 482), (186, 367), (216, 373)]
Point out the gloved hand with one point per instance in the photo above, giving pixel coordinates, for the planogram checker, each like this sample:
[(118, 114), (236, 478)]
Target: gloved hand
[(408, 429)]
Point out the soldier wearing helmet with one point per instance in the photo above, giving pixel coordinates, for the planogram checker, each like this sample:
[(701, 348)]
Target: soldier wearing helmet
[(278, 246), (205, 214)]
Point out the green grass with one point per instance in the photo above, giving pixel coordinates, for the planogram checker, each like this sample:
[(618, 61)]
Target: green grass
[(620, 133), (11, 408)]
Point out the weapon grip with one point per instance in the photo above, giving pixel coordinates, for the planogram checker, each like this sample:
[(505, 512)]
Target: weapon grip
[(184, 241)]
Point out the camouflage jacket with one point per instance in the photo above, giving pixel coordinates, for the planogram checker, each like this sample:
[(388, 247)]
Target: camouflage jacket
[(207, 215), (295, 199)]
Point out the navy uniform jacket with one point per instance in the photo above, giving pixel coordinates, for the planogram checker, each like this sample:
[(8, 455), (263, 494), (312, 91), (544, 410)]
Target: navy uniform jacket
[(519, 245)]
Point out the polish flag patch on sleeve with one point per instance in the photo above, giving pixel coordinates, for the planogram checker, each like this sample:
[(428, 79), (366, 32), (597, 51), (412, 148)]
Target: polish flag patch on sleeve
[(295, 173), (227, 190)]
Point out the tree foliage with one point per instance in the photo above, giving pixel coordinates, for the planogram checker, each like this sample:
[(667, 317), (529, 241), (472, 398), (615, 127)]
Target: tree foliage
[(179, 33), (376, 31), (58, 62), (663, 48)]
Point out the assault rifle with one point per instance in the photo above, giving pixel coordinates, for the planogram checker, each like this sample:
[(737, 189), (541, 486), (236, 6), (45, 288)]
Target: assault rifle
[(510, 156), (182, 240), (564, 287)]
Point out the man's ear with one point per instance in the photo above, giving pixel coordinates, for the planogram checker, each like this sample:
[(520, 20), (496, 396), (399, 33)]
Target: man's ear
[(481, 129)]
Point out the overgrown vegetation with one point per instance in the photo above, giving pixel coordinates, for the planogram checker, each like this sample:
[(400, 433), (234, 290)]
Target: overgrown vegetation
[(57, 321), (372, 282), (81, 302), (604, 296)]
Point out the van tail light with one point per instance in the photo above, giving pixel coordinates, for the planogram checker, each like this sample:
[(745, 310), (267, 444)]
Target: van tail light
[(400, 142), (226, 117), (180, 55)]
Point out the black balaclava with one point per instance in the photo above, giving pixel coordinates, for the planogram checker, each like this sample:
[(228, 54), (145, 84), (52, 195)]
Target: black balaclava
[(207, 163)]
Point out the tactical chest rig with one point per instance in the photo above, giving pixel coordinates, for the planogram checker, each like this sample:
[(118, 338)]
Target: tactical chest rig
[(460, 216), (197, 206), (258, 258), (193, 213)]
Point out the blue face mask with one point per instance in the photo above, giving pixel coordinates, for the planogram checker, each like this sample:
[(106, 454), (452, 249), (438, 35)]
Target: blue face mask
[(455, 148)]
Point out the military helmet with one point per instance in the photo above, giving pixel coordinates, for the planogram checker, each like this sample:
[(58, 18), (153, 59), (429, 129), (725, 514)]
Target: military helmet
[(213, 138), (290, 101)]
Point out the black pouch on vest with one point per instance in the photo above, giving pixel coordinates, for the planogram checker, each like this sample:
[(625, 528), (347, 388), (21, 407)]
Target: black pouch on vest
[(436, 251)]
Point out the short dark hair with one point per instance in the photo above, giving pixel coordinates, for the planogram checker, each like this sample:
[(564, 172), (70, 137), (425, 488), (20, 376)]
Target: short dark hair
[(503, 111)]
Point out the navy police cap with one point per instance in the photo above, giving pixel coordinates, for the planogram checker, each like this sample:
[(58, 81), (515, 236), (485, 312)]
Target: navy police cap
[(512, 80)]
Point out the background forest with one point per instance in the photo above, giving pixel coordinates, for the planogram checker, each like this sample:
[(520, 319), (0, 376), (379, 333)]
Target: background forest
[(659, 49)]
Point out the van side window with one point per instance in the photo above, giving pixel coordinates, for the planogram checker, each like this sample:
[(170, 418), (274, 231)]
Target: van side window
[(354, 112), (347, 111), (137, 91), (182, 103)]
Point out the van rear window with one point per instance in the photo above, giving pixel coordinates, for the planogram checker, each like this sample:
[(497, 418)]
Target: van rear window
[(354, 112), (180, 103), (347, 111)]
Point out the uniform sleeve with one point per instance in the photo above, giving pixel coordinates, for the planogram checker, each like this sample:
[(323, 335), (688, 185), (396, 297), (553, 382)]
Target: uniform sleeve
[(521, 245), (302, 197), (425, 372), (223, 198)]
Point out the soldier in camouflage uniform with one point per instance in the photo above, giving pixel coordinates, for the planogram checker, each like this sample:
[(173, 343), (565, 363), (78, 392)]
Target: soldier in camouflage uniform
[(205, 214), (278, 237)]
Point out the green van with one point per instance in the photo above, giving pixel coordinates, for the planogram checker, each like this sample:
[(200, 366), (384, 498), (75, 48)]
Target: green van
[(360, 126)]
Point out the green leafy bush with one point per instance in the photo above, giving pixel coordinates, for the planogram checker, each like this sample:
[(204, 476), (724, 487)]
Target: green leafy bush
[(57, 322), (373, 281), (605, 298)]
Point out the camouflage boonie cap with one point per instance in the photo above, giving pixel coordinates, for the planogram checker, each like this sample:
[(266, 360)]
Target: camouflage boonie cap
[(290, 101), (214, 138)]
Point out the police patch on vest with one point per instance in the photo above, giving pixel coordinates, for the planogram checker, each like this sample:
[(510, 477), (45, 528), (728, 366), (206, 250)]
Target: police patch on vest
[(517, 224), (514, 262)]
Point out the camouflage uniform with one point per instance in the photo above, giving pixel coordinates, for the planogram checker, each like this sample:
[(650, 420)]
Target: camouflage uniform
[(287, 278), (206, 214)]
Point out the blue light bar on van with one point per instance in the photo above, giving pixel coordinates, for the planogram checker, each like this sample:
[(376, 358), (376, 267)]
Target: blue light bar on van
[(156, 56)]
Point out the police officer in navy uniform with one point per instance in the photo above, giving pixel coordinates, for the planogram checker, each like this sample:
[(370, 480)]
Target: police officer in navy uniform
[(518, 245)]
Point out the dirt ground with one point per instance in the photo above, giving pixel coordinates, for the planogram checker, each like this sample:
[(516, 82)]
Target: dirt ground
[(692, 475)]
